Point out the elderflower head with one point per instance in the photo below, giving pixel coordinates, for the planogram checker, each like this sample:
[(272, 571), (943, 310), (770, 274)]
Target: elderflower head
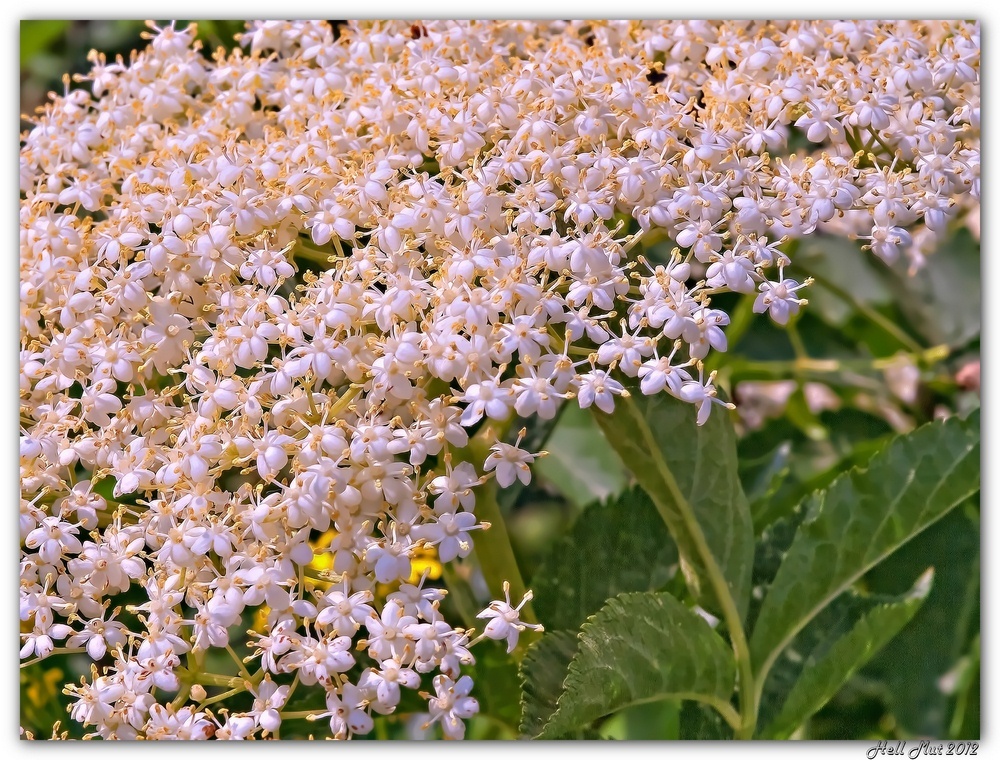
[(277, 293)]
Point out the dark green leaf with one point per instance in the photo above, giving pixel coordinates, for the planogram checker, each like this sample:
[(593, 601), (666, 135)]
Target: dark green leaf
[(699, 721), (863, 517), (543, 671), (913, 664), (965, 720), (769, 553), (852, 437), (690, 473), (810, 646), (646, 721), (762, 478), (822, 676), (642, 647), (581, 464), (612, 548)]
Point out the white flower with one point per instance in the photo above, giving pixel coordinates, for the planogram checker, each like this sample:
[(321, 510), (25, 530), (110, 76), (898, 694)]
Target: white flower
[(505, 619), (345, 613), (599, 388), (269, 699), (450, 534), (452, 705), (779, 299), (386, 681), (510, 462)]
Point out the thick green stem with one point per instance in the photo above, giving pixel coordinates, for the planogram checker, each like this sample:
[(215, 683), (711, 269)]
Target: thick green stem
[(495, 553), (492, 547), (222, 697), (189, 678), (300, 714)]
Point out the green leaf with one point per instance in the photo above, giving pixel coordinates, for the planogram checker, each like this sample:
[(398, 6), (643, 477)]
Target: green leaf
[(965, 720), (690, 473), (612, 548), (809, 646), (914, 663), (864, 516), (763, 476), (543, 671), (642, 647), (646, 721), (699, 721), (852, 437), (581, 463), (772, 546), (822, 677)]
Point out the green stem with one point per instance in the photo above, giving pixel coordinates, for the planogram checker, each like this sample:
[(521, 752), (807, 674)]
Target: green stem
[(187, 677), (211, 679), (495, 553), (492, 547), (57, 650), (303, 251), (224, 695), (730, 613), (239, 663), (299, 714), (798, 346)]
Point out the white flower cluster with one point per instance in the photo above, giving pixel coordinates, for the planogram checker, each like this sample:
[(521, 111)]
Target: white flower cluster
[(271, 294)]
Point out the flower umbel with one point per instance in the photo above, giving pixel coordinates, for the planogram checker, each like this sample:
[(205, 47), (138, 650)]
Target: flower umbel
[(295, 289)]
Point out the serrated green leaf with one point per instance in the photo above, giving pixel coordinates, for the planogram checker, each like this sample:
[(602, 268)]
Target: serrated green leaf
[(865, 515), (853, 436), (581, 463), (612, 548), (811, 645), (642, 647), (690, 473), (543, 671), (821, 678)]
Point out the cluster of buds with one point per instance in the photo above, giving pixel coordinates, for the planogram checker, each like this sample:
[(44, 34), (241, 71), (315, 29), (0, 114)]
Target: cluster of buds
[(270, 295)]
